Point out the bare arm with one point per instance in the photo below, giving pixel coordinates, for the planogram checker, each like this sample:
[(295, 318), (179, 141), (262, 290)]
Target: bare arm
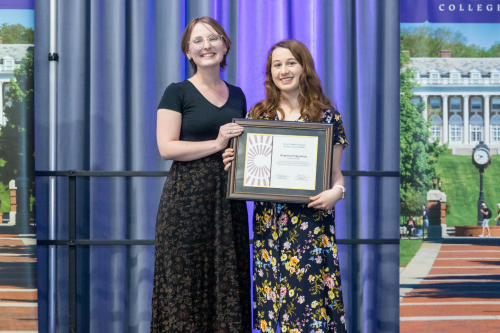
[(326, 200), (337, 177), (168, 130)]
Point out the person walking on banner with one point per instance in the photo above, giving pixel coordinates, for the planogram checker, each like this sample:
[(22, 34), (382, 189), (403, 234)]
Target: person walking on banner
[(295, 260), (486, 219), (202, 257), (425, 218), (498, 216)]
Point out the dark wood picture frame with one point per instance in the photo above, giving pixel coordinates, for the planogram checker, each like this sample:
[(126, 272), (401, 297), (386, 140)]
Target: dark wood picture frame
[(324, 132)]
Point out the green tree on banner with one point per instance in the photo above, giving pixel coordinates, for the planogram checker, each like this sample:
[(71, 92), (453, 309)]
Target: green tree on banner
[(418, 154), (22, 99), (16, 34), (427, 42)]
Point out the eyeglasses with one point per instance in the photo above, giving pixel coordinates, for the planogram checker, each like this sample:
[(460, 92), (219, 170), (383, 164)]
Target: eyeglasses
[(197, 42)]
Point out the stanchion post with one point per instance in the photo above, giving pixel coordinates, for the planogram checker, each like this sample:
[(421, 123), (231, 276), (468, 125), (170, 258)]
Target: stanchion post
[(72, 251), (52, 225)]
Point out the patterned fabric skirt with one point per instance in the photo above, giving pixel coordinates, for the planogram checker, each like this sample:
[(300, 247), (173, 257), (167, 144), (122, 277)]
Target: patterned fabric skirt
[(202, 258), (296, 270)]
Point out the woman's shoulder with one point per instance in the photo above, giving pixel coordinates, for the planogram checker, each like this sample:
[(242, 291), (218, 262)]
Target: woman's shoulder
[(235, 90), (182, 85), (263, 116), (331, 115), (174, 96), (177, 87)]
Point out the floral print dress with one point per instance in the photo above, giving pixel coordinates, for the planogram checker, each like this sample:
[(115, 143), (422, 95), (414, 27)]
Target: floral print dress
[(296, 274)]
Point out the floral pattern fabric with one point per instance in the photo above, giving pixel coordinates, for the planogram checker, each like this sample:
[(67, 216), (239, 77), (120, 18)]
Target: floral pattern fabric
[(296, 272), (202, 257)]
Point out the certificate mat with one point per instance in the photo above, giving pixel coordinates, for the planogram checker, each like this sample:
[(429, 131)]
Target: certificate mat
[(280, 161)]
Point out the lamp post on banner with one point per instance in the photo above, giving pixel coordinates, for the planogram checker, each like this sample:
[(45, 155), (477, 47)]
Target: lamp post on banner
[(481, 158)]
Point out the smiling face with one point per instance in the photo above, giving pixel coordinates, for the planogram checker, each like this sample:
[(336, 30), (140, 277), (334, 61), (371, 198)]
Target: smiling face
[(285, 70), (210, 54)]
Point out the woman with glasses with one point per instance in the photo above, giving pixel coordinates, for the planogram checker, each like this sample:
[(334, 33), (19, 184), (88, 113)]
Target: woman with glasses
[(296, 266), (202, 268)]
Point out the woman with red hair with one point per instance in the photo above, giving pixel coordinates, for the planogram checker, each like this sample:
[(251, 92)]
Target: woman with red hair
[(296, 269)]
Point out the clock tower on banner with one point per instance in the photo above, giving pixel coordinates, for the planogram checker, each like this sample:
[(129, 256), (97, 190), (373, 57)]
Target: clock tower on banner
[(481, 158)]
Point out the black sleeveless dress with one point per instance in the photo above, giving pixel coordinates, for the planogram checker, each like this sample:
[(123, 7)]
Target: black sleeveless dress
[(202, 258)]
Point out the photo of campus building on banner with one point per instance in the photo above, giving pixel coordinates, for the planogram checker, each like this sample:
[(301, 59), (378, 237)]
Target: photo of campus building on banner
[(11, 56), (450, 166), (18, 249), (462, 99)]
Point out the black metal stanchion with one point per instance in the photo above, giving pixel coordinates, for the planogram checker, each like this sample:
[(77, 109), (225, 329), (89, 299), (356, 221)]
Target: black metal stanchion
[(73, 241), (72, 252)]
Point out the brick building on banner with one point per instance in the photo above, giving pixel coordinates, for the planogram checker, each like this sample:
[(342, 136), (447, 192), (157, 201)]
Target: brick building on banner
[(11, 56), (462, 98)]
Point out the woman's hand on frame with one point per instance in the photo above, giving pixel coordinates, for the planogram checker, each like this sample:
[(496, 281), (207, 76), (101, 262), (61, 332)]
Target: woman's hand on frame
[(326, 199), (227, 157), (227, 132)]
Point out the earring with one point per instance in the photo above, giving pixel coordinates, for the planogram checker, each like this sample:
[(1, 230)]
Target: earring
[(189, 59)]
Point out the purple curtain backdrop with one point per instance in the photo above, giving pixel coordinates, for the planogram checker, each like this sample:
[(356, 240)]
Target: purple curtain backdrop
[(116, 58)]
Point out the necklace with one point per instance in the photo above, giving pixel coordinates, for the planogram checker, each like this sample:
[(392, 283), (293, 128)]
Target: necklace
[(291, 110)]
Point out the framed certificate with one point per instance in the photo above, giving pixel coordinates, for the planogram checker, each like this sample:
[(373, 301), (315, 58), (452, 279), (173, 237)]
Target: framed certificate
[(281, 161)]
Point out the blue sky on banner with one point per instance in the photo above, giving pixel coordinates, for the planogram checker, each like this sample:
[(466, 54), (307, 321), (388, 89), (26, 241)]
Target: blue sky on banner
[(477, 20), (18, 16)]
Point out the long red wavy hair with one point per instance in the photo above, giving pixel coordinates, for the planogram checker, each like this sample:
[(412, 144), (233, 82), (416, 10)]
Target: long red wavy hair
[(312, 100)]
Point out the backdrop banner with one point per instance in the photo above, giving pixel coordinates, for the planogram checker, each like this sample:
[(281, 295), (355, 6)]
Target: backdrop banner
[(450, 108), (18, 259), (450, 11)]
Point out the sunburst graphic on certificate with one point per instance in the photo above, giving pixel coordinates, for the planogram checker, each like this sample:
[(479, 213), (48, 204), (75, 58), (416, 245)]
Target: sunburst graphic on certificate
[(258, 162), (281, 161)]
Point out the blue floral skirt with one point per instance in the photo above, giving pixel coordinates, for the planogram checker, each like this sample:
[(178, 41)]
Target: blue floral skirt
[(296, 270)]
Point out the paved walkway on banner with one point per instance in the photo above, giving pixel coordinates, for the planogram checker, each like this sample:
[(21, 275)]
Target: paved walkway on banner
[(18, 294), (453, 286)]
